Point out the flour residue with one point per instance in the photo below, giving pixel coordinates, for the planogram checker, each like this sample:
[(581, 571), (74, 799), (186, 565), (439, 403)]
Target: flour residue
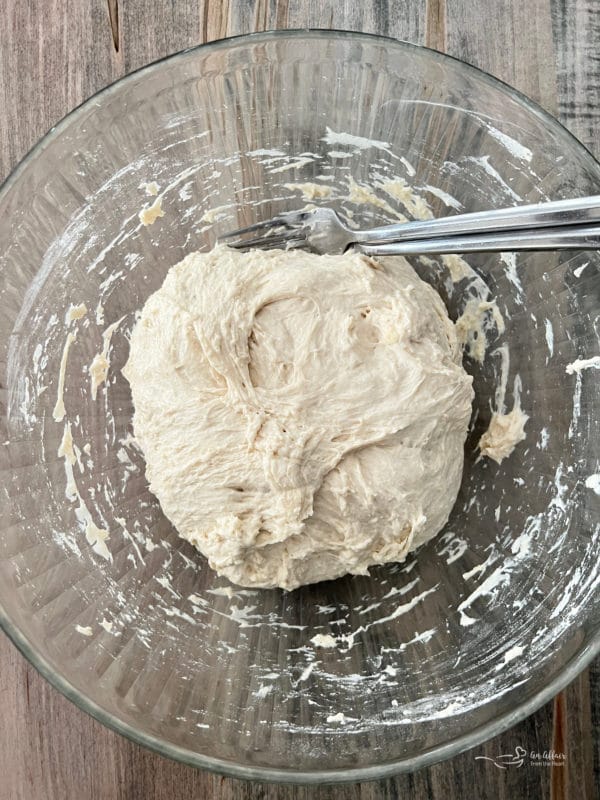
[(593, 482), (445, 197), (549, 338), (574, 424), (511, 144), (583, 363), (324, 640), (484, 163), (453, 546), (510, 262), (218, 212), (350, 140), (296, 163), (339, 718)]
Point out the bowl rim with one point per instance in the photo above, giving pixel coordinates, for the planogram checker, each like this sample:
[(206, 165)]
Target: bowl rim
[(432, 755)]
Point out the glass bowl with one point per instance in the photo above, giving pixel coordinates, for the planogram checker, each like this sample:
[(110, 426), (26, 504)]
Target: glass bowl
[(346, 680)]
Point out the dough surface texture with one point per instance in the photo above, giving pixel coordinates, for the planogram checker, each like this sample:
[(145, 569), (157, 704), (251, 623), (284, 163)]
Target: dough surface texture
[(302, 416)]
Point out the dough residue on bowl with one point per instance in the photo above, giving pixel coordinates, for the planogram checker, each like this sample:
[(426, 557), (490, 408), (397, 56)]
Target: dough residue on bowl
[(151, 213), (505, 431)]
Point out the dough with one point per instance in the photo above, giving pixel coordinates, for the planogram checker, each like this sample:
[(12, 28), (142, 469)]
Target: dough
[(302, 416), (503, 434)]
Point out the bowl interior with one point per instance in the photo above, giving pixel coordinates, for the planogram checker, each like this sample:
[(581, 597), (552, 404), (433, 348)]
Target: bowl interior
[(370, 673)]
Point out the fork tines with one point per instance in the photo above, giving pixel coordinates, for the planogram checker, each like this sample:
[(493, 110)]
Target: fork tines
[(281, 231)]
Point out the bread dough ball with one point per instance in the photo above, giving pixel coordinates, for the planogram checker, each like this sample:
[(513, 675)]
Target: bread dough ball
[(302, 416)]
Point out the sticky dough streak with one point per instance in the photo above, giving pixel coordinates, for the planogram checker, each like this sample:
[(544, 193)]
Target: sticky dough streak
[(59, 409), (96, 537), (98, 369)]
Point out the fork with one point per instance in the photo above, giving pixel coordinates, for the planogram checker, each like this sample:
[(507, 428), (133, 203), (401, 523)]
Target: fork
[(557, 225)]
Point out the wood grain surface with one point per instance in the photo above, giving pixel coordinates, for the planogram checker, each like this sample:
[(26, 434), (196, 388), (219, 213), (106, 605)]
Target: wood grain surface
[(55, 54)]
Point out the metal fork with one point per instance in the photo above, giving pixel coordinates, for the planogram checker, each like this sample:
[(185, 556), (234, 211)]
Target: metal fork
[(558, 225)]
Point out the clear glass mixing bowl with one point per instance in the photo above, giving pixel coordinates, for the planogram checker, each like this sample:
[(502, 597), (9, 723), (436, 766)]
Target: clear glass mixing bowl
[(413, 663)]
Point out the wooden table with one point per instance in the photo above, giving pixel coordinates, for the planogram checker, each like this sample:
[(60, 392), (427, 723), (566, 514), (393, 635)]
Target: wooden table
[(56, 53)]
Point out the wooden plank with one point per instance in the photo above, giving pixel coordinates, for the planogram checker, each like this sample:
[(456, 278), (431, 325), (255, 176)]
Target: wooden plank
[(576, 27), (435, 25), (154, 30), (594, 706), (511, 40), (54, 55)]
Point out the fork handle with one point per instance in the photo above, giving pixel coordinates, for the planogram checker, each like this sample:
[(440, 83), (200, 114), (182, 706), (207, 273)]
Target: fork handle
[(557, 213), (575, 237)]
